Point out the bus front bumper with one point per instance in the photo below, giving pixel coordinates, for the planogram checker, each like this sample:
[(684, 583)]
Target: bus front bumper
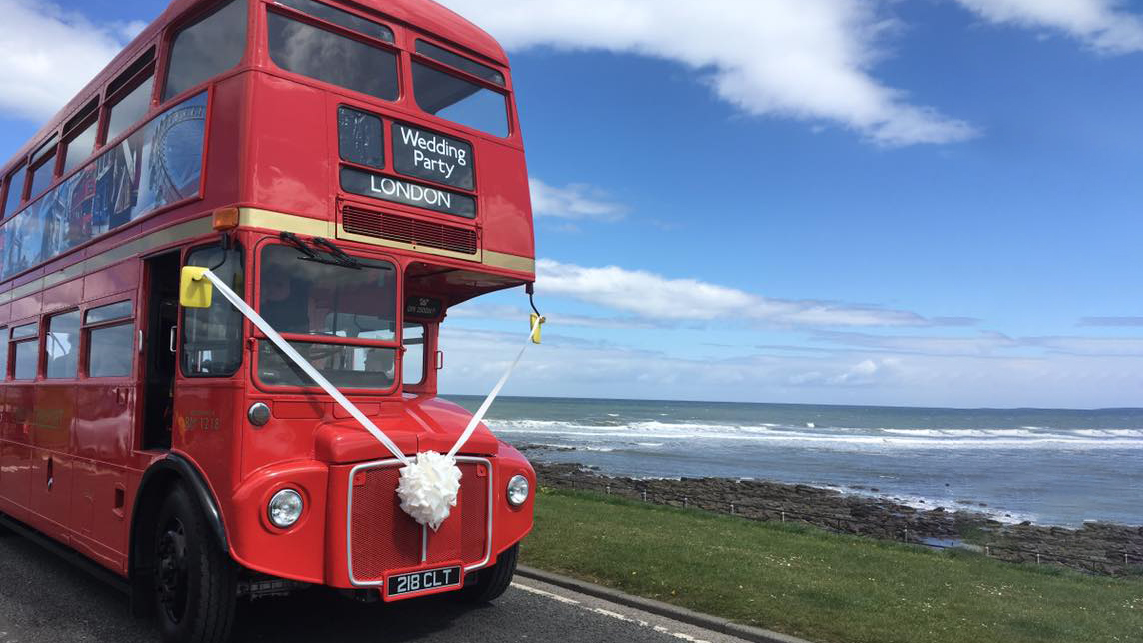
[(352, 533)]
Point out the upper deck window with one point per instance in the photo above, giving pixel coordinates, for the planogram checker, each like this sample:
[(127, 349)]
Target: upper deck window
[(44, 168), (129, 96), (340, 18), (79, 136), (15, 184), (207, 48), (130, 109), (80, 147), (445, 56), (460, 101), (332, 58), (360, 137)]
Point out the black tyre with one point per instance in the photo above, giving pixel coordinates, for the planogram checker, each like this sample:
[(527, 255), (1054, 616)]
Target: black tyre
[(194, 579), (493, 581)]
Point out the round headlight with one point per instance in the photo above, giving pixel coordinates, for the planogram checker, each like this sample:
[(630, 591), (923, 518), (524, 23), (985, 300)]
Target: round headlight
[(258, 414), (285, 508), (518, 489)]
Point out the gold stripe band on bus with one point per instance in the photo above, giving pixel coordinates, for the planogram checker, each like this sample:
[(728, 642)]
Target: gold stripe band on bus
[(248, 217)]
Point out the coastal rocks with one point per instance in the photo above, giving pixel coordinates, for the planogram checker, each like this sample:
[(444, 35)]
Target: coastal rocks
[(542, 448), (1097, 548)]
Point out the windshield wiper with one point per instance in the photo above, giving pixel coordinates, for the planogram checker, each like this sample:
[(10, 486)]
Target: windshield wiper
[(338, 253), (295, 241), (336, 258)]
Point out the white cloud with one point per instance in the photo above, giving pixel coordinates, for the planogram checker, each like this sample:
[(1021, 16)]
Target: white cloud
[(653, 296), (982, 344), (804, 59), (576, 201), (986, 343), (1111, 346), (516, 314), (49, 54), (1111, 321), (1104, 25), (559, 368)]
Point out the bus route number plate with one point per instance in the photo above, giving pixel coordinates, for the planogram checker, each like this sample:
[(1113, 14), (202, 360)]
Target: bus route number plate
[(424, 581)]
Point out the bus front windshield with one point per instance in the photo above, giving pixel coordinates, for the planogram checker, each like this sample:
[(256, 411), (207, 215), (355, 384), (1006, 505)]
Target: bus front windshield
[(314, 293)]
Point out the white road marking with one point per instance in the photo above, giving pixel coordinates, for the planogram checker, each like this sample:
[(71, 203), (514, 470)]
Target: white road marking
[(540, 592), (614, 615), (609, 613)]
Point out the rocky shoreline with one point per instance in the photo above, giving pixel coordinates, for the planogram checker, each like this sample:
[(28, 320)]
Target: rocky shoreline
[(1100, 548)]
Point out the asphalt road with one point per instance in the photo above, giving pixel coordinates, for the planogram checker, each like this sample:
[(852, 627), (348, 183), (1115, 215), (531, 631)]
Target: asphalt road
[(45, 599)]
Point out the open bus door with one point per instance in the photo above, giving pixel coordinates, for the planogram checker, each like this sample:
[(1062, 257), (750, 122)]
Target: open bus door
[(160, 310)]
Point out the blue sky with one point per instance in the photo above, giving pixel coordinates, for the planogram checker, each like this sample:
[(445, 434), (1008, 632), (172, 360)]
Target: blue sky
[(907, 202)]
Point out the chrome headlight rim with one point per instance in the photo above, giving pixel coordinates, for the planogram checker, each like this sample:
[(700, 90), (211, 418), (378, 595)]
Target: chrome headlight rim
[(518, 490), (285, 508)]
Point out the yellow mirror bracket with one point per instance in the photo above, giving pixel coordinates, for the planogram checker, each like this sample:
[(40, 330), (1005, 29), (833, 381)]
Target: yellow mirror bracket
[(195, 290), (537, 326)]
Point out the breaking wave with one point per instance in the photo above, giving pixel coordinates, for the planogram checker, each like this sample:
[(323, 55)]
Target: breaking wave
[(649, 433)]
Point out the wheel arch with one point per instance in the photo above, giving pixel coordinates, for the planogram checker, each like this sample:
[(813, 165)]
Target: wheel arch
[(157, 481)]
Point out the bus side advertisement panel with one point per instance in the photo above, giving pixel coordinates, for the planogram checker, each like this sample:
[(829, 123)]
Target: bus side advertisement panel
[(160, 164)]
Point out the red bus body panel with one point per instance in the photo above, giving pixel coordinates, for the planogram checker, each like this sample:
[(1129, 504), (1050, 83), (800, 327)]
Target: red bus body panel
[(72, 457)]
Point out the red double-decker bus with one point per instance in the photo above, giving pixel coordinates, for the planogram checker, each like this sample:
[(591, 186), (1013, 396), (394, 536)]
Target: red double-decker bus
[(352, 168)]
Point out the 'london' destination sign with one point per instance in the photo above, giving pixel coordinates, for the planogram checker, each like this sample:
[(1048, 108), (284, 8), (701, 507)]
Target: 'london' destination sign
[(386, 188)]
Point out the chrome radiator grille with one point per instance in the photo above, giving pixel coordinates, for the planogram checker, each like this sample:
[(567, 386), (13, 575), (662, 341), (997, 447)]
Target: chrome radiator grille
[(383, 538)]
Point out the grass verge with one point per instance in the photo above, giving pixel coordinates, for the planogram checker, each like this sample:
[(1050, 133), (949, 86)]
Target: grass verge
[(821, 586)]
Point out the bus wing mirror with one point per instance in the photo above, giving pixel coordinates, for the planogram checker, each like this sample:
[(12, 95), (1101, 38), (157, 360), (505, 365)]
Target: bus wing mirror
[(537, 323), (195, 290)]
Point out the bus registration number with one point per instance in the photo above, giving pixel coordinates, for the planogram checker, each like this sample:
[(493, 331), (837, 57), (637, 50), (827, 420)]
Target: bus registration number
[(428, 580)]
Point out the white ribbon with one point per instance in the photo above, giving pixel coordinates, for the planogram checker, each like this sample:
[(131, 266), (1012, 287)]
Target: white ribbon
[(430, 483), (308, 368), (476, 419)]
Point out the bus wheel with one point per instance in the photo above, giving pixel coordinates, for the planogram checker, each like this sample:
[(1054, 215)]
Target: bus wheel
[(493, 581), (195, 586)]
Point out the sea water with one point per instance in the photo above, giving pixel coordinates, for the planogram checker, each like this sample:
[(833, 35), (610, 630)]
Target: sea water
[(1056, 467)]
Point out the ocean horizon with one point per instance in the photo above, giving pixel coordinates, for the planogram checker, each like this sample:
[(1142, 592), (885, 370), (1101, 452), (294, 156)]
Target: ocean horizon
[(1048, 466)]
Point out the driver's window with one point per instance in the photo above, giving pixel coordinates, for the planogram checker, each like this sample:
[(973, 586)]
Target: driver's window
[(212, 337)]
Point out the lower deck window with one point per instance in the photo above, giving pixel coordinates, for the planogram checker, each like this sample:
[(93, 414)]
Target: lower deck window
[(413, 363), (25, 362), (62, 346), (25, 351), (111, 350)]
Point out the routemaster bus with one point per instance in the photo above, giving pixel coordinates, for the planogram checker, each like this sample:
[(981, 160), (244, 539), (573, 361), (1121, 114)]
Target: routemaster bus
[(352, 169)]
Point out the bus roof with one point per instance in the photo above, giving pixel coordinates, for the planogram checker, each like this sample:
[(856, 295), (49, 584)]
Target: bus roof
[(425, 15)]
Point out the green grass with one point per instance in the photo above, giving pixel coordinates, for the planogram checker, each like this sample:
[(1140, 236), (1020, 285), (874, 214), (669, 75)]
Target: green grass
[(821, 586)]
